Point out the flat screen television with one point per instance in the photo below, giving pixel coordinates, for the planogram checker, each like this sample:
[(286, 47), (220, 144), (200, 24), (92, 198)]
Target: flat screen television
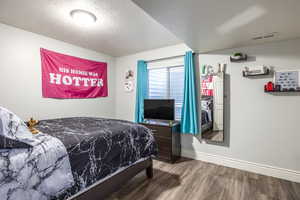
[(162, 109)]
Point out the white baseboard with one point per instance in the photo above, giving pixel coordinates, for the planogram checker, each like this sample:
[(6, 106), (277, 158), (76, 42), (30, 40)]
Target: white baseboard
[(243, 165)]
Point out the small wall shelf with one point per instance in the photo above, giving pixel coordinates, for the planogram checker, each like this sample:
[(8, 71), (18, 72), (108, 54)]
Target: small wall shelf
[(257, 75), (283, 91), (242, 59)]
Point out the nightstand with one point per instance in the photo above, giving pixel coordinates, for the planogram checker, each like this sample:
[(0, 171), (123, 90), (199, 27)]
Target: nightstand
[(168, 139)]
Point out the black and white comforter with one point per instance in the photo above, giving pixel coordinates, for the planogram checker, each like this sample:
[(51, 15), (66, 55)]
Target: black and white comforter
[(68, 156), (206, 113), (32, 167), (36, 173), (99, 147)]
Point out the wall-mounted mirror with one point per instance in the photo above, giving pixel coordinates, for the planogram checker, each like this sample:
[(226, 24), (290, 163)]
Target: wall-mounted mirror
[(212, 104)]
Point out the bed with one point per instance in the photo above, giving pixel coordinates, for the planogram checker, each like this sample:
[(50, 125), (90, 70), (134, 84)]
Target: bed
[(206, 113), (78, 158)]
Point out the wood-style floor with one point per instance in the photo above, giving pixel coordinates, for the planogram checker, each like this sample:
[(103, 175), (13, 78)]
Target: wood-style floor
[(196, 180), (216, 136)]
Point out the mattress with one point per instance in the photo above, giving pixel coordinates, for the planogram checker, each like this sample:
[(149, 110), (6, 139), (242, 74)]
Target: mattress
[(99, 147)]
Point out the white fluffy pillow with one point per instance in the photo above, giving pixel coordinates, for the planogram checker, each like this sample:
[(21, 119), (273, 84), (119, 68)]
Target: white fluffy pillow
[(13, 131)]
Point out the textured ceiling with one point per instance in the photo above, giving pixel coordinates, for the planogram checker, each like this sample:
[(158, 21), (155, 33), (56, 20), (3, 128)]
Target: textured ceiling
[(122, 27), (207, 25)]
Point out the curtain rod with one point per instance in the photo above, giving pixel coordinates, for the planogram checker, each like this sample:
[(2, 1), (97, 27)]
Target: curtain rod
[(166, 58)]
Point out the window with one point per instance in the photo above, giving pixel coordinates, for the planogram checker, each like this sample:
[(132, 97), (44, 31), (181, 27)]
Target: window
[(167, 83)]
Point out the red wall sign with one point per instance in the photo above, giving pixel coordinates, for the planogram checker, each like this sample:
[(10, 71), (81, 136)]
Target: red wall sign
[(69, 77)]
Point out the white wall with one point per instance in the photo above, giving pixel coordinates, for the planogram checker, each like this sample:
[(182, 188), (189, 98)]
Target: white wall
[(261, 128), (20, 77)]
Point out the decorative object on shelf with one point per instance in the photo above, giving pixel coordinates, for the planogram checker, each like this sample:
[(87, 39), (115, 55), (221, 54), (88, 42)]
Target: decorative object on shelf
[(208, 70), (277, 87), (221, 67), (238, 57), (288, 80), (284, 81), (256, 71), (269, 87)]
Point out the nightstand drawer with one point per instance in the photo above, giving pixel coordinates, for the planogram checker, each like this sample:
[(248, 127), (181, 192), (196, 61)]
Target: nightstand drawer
[(167, 137), (163, 144), (164, 148), (161, 131)]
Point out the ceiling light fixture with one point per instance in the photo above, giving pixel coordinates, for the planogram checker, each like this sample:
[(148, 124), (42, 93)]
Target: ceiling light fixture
[(83, 17)]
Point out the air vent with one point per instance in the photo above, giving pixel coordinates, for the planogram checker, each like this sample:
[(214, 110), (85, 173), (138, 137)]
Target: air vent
[(269, 35), (258, 38)]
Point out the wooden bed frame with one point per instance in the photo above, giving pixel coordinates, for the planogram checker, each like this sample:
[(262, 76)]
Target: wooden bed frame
[(112, 184)]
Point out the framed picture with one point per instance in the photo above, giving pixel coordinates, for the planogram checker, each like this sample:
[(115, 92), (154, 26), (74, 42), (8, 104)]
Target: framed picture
[(287, 79)]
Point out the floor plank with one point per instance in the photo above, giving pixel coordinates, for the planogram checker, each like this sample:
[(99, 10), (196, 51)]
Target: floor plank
[(195, 180)]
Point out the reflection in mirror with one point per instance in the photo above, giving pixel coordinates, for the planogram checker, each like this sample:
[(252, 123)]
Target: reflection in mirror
[(212, 102)]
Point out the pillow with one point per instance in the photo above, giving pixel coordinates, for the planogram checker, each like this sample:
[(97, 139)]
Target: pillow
[(13, 131)]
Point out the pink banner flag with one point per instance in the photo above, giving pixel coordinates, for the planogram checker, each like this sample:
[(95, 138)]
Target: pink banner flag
[(68, 77)]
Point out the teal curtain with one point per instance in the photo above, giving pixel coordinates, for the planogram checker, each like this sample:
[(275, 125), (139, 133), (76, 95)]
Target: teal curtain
[(141, 90), (189, 114)]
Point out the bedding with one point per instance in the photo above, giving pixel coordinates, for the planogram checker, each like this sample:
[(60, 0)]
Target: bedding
[(34, 172), (205, 117), (206, 113), (99, 147), (68, 155), (207, 106), (13, 131)]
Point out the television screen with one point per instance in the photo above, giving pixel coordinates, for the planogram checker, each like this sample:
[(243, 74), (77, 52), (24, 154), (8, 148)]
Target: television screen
[(159, 109)]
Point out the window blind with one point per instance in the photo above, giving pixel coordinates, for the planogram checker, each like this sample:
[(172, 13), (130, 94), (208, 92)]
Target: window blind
[(167, 83), (177, 88)]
